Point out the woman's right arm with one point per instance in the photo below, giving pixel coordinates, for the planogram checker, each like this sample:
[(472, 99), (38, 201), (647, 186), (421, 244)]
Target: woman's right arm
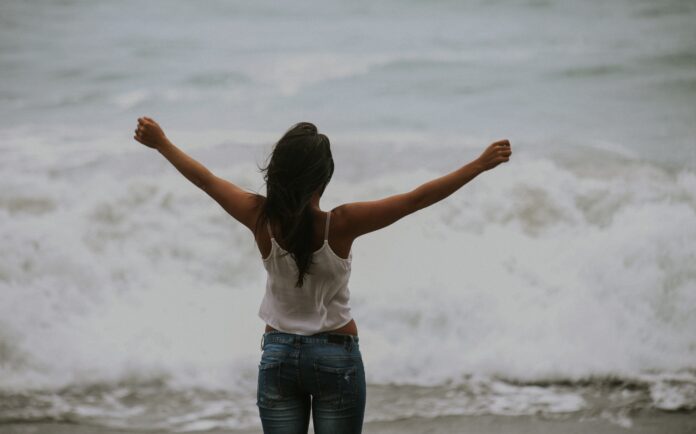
[(359, 218)]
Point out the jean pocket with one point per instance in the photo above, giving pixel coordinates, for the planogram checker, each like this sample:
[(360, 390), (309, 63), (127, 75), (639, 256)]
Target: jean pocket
[(268, 388), (336, 382)]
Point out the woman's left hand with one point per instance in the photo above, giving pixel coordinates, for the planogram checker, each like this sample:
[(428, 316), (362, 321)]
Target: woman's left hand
[(149, 133)]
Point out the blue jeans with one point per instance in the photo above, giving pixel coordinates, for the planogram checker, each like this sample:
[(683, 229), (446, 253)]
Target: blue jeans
[(323, 373)]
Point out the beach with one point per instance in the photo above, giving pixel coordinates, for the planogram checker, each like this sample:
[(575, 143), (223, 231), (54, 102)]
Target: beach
[(650, 423), (555, 293)]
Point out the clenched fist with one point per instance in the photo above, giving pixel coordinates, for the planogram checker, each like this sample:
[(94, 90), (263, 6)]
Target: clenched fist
[(149, 133), (496, 153)]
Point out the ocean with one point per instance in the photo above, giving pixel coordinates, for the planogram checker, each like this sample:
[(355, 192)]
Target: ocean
[(562, 282)]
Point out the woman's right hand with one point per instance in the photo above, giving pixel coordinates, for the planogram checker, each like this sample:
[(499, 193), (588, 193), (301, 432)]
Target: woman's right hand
[(149, 133), (498, 152)]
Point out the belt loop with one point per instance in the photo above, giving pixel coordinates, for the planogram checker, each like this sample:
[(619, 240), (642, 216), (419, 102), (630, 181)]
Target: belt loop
[(262, 336), (349, 343)]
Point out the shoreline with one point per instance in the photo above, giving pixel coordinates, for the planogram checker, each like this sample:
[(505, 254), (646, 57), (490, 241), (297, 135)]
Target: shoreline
[(646, 422)]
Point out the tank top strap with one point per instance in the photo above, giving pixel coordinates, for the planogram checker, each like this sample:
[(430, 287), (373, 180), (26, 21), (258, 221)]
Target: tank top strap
[(326, 229)]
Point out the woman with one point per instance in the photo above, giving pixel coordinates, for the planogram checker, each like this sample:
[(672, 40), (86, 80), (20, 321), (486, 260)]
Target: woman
[(311, 361)]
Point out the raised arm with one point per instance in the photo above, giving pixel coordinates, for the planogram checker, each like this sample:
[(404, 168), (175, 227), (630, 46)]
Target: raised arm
[(240, 204), (363, 217)]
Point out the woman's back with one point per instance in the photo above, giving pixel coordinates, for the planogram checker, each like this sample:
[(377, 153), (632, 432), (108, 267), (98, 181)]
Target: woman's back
[(320, 304), (338, 241)]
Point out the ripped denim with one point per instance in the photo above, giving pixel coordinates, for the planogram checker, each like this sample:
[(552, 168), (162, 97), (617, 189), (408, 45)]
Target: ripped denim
[(322, 374)]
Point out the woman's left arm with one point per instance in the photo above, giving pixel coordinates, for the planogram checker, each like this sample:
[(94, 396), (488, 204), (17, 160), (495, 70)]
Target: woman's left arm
[(240, 204)]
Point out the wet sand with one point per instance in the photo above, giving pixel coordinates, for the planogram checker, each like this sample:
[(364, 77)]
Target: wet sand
[(643, 423)]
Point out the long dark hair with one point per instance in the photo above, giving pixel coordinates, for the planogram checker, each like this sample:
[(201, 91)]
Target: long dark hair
[(300, 164)]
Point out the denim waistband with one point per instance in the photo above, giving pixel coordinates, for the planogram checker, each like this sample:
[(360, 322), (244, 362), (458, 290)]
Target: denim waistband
[(295, 339)]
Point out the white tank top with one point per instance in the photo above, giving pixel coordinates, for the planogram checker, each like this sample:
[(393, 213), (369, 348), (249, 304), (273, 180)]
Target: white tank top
[(321, 304)]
